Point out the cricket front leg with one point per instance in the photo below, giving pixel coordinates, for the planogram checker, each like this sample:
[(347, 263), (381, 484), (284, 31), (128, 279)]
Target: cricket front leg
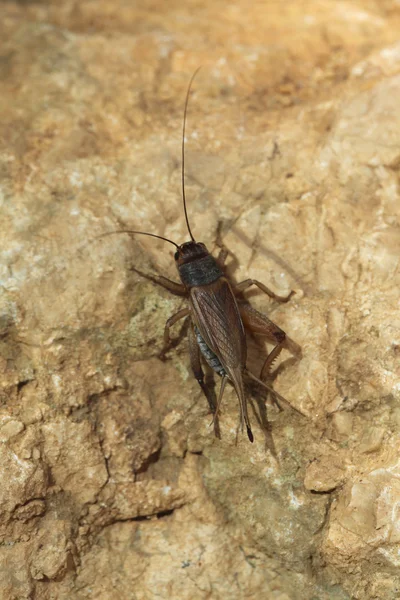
[(175, 288), (259, 323), (195, 363)]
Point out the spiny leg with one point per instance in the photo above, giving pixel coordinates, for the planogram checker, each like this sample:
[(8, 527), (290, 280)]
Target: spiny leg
[(195, 363), (244, 285), (269, 361), (173, 287), (259, 323), (171, 321)]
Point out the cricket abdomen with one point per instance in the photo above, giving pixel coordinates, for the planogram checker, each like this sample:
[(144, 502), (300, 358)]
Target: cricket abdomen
[(210, 357)]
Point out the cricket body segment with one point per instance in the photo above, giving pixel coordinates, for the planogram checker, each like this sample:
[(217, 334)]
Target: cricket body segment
[(195, 265), (215, 314), (209, 356)]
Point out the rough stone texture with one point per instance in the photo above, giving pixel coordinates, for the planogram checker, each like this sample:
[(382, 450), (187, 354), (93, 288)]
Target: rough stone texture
[(111, 482)]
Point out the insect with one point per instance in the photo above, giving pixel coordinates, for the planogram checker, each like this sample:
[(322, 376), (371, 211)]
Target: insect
[(218, 319)]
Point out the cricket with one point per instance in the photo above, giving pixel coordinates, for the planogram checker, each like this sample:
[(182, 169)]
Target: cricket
[(218, 319)]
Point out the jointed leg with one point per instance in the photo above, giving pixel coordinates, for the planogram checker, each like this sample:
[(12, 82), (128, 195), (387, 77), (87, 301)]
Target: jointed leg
[(223, 250), (195, 363), (269, 361), (241, 287), (175, 288), (259, 323), (222, 256), (171, 321)]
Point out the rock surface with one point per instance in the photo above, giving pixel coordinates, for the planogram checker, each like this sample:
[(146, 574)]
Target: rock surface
[(111, 482)]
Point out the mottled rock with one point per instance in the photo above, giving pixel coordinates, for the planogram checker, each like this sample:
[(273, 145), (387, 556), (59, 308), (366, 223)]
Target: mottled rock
[(293, 143), (129, 438), (9, 428), (15, 582), (324, 474), (32, 509), (75, 459), (50, 558), (21, 481), (364, 530)]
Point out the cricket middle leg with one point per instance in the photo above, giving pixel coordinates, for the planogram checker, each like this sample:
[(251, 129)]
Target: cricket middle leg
[(171, 321), (244, 285)]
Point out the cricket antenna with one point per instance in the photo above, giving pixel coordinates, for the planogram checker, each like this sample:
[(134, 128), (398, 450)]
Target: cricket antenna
[(183, 152), (139, 232)]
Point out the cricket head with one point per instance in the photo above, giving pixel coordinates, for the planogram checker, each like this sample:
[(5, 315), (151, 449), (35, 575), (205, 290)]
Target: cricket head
[(190, 251)]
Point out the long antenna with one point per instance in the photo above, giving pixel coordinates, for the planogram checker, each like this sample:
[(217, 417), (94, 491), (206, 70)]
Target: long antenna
[(140, 232), (183, 152)]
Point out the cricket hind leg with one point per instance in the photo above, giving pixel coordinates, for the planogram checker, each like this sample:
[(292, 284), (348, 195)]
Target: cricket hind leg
[(256, 322), (195, 363), (259, 323)]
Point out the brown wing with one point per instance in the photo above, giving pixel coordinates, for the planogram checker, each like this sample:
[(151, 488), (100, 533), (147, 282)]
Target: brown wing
[(217, 317), (216, 314)]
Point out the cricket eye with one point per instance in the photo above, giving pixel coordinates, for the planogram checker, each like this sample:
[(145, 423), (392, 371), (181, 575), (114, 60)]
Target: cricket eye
[(176, 255)]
